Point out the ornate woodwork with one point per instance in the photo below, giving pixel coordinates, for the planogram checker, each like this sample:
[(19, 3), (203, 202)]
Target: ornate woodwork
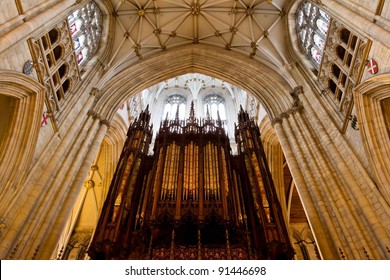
[(192, 199)]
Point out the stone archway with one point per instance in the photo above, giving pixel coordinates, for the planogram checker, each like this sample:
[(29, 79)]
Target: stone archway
[(346, 212), (273, 91), (256, 78), (331, 182), (374, 127), (24, 122)]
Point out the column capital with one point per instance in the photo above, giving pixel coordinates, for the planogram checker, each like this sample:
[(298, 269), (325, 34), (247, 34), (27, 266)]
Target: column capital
[(105, 122), (296, 92), (297, 106), (279, 119), (95, 92), (93, 114), (276, 120)]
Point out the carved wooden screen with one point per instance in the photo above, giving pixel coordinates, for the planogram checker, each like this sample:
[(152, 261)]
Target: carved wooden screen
[(192, 199)]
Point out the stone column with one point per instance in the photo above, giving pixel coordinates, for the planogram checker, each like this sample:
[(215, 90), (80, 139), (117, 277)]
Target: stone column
[(52, 203), (342, 204), (326, 189), (358, 197), (51, 239), (57, 189), (325, 245), (37, 190)]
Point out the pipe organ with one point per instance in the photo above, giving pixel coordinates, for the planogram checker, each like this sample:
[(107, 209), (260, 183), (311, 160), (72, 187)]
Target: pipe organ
[(191, 199)]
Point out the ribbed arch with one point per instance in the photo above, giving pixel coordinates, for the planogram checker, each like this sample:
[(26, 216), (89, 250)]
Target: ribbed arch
[(24, 122), (369, 99), (269, 87)]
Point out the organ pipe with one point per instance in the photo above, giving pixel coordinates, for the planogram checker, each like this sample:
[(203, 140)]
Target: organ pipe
[(191, 199)]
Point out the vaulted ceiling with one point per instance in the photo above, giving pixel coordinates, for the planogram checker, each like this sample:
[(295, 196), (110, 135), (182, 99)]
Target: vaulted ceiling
[(252, 27), (143, 27)]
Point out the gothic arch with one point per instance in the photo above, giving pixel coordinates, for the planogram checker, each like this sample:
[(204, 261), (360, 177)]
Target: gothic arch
[(232, 67), (112, 145), (104, 49), (304, 242), (275, 159), (368, 98), (296, 56), (17, 149)]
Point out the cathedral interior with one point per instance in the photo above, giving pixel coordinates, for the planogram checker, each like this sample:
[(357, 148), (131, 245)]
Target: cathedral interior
[(195, 129)]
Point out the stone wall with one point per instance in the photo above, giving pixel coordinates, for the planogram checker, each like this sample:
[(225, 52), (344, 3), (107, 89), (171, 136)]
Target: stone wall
[(8, 10)]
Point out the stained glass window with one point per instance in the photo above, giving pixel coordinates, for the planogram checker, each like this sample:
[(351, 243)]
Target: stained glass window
[(171, 104), (320, 43), (85, 26), (215, 105), (312, 27), (322, 25), (316, 55)]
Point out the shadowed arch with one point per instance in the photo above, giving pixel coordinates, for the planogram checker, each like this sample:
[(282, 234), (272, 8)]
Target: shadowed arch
[(368, 100), (275, 158), (268, 86), (17, 148)]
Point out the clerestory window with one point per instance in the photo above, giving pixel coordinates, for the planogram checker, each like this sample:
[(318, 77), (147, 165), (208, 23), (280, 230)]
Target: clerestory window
[(312, 27), (214, 105), (175, 104), (85, 25)]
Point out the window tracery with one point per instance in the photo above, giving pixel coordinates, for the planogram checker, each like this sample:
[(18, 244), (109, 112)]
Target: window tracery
[(85, 26), (62, 51), (55, 65), (312, 27), (215, 104), (173, 104), (337, 54)]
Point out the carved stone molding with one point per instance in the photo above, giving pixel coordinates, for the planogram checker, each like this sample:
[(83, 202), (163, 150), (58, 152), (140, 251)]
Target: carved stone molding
[(93, 114), (105, 122), (368, 98), (94, 168), (296, 106), (318, 2), (96, 92), (89, 184), (22, 132)]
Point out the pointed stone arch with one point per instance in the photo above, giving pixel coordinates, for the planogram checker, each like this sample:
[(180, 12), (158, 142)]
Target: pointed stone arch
[(319, 166), (18, 145), (369, 98), (256, 78), (275, 159)]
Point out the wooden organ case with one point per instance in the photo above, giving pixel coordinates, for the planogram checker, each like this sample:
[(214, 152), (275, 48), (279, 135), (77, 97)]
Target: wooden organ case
[(192, 199)]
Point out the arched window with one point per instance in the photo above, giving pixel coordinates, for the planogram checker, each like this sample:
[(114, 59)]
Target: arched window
[(172, 103), (54, 36), (215, 105), (312, 27), (85, 26)]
